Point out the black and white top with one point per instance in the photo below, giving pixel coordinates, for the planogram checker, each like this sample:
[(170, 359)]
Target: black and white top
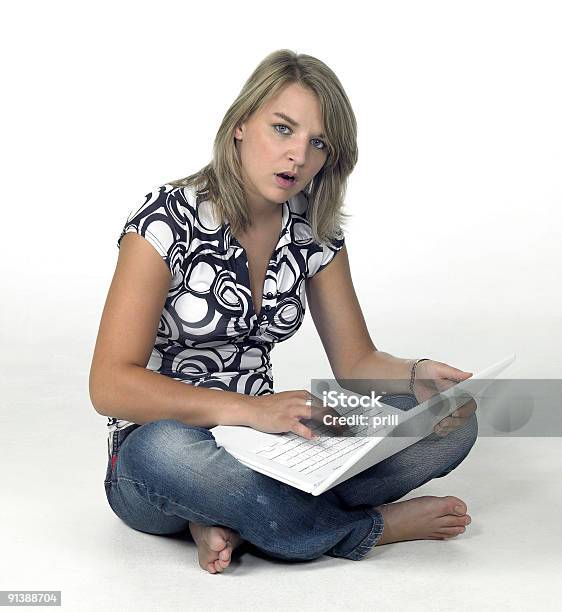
[(209, 334)]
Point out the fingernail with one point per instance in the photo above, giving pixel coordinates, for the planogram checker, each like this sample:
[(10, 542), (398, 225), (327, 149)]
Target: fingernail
[(458, 510)]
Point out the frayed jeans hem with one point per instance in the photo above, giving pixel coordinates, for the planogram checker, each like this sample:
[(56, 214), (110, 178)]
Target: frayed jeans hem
[(369, 542)]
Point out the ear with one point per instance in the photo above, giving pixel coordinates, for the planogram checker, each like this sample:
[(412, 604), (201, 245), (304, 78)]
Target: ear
[(239, 132)]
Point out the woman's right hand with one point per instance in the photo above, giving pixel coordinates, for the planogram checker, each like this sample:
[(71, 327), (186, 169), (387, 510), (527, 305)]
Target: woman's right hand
[(281, 412)]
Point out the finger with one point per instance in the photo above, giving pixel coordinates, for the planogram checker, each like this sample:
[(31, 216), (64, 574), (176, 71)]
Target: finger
[(444, 427), (303, 431), (457, 422), (312, 403), (317, 409), (465, 411), (445, 383), (332, 422), (455, 374), (446, 372), (302, 412), (318, 414), (452, 422), (301, 406), (443, 431), (462, 414), (311, 397), (341, 428)]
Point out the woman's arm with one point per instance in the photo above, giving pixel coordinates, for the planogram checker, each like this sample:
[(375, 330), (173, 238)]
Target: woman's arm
[(341, 326), (120, 384), (356, 362)]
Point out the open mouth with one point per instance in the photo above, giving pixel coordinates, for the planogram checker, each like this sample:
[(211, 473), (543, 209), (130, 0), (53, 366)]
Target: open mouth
[(285, 179)]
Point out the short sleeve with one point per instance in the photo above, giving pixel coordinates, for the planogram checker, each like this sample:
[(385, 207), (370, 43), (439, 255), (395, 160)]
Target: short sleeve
[(161, 220), (322, 254)]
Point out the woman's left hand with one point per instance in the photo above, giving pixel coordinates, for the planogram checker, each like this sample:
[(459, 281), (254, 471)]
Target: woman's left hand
[(431, 378)]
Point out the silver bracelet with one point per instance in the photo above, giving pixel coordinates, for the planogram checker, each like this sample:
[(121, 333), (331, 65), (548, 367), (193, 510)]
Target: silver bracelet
[(413, 374)]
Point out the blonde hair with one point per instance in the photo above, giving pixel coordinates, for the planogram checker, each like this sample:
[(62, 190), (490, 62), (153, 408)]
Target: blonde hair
[(325, 193)]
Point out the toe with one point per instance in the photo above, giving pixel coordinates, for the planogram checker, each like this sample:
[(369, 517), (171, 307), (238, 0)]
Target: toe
[(456, 505), (451, 532), (450, 520), (215, 539)]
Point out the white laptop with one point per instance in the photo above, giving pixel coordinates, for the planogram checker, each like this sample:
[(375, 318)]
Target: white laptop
[(317, 465)]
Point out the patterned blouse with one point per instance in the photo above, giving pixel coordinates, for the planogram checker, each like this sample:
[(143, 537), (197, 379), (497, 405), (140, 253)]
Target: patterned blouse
[(208, 334)]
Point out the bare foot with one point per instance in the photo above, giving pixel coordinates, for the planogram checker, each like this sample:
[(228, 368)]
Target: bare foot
[(214, 545), (423, 518)]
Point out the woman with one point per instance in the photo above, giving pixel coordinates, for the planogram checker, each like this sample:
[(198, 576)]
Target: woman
[(213, 270)]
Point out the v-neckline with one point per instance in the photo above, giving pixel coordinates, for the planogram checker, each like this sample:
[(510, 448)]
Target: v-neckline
[(247, 262), (280, 236)]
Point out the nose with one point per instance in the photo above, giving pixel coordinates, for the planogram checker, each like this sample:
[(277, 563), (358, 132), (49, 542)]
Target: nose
[(297, 152)]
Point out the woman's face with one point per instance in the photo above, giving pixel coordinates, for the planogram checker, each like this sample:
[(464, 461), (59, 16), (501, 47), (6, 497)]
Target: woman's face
[(268, 143)]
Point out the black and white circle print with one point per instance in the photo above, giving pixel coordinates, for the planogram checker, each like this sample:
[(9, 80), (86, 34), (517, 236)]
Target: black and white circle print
[(256, 383), (208, 333), (225, 296), (195, 364), (161, 220), (288, 318)]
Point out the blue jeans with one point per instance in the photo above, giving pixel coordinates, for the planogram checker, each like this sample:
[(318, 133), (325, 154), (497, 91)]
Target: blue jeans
[(165, 473)]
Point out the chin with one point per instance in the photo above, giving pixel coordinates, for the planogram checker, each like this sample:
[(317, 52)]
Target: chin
[(281, 198)]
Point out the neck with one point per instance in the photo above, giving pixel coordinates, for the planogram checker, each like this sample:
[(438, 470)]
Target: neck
[(265, 214)]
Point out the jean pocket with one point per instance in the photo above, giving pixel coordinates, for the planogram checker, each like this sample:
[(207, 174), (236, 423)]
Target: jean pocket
[(108, 472), (113, 451), (119, 436), (109, 467)]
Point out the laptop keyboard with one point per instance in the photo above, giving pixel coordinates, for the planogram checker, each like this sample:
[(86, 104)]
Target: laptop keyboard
[(308, 456)]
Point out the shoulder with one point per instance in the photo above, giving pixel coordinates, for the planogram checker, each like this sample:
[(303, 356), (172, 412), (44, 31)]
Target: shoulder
[(301, 227), (165, 203), (164, 216), (179, 206), (300, 213), (318, 253)]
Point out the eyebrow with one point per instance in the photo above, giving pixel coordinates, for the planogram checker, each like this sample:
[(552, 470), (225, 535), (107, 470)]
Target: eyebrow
[(294, 123)]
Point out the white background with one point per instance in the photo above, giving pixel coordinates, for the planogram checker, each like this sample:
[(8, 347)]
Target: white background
[(455, 239), (454, 249)]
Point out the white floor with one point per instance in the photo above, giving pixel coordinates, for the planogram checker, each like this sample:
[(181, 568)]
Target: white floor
[(59, 533)]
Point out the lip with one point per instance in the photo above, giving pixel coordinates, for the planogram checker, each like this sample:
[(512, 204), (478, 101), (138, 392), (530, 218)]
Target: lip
[(293, 174), (284, 184)]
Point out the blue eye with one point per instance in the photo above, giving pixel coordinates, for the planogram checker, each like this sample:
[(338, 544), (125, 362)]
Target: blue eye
[(280, 125), (285, 134)]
